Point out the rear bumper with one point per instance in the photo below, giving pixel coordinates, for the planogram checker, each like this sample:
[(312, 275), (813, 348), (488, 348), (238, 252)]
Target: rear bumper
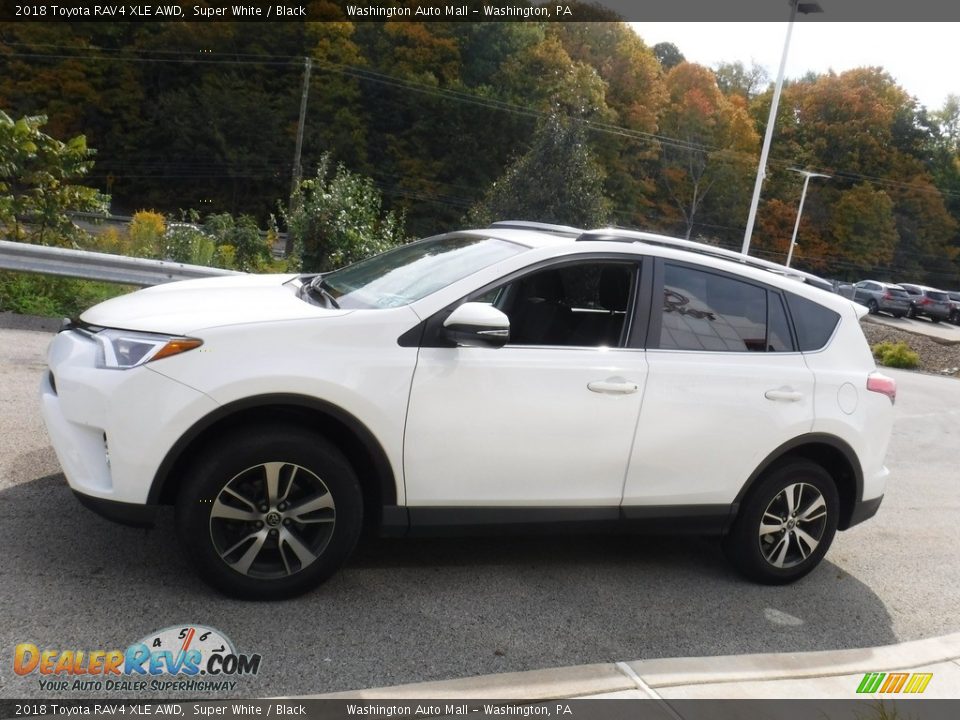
[(894, 306), (934, 312), (864, 510)]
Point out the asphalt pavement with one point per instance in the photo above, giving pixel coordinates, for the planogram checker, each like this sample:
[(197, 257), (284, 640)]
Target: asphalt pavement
[(420, 610)]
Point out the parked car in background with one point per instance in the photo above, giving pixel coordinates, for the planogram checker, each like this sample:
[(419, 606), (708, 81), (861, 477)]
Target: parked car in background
[(882, 297), (843, 289), (928, 302), (954, 306)]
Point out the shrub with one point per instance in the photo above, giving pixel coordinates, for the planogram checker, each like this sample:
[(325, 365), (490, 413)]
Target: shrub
[(52, 296), (338, 218), (146, 234), (897, 355)]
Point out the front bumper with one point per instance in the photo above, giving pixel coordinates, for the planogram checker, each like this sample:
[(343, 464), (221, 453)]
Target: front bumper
[(119, 512), (111, 429)]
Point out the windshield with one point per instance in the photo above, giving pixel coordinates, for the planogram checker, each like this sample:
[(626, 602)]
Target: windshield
[(410, 272)]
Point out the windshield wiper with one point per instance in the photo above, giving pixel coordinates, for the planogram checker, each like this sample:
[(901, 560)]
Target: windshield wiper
[(318, 285)]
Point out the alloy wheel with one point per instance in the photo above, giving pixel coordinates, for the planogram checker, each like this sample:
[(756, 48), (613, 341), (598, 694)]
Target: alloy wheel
[(272, 520), (792, 526)]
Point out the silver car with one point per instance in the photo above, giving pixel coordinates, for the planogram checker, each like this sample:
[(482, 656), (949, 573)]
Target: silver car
[(882, 297), (928, 301)]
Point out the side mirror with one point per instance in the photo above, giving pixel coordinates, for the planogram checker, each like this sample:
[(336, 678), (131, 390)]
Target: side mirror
[(475, 324)]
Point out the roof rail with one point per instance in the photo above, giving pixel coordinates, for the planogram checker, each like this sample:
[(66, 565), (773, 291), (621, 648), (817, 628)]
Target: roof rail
[(617, 235), (565, 230)]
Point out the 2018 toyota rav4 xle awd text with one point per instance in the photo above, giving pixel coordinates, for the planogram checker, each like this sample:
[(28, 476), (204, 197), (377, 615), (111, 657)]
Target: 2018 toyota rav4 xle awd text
[(492, 378)]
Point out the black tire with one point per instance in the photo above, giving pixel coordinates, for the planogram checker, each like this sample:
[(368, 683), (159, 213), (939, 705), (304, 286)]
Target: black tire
[(898, 315), (749, 551), (316, 511), (934, 320), (912, 312), (872, 307)]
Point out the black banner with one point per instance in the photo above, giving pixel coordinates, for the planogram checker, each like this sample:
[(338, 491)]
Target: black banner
[(477, 11)]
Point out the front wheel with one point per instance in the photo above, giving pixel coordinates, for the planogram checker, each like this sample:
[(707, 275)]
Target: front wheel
[(786, 524), (269, 513)]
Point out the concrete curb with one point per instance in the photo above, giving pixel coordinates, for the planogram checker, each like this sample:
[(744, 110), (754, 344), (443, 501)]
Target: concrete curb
[(647, 676)]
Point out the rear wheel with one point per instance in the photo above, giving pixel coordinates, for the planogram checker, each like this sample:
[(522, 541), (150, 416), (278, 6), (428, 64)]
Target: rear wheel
[(912, 312), (873, 307), (786, 525), (269, 514)]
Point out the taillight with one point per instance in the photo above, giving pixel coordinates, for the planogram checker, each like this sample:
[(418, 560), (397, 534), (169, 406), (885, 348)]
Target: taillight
[(926, 301), (880, 383), (887, 296)]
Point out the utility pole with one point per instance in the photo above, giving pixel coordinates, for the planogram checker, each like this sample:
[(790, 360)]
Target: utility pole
[(297, 169)]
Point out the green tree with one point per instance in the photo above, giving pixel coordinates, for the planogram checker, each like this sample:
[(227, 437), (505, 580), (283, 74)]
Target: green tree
[(556, 181), (863, 229), (39, 180), (737, 79), (668, 54), (337, 218)]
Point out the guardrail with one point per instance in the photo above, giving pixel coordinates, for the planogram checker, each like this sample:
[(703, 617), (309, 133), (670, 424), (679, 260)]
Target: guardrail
[(99, 266)]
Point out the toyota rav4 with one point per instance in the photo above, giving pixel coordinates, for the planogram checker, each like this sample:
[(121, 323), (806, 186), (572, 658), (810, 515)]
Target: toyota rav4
[(485, 380)]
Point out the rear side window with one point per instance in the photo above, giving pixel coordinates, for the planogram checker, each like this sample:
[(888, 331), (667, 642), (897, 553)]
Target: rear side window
[(813, 322), (897, 292), (708, 311), (936, 295)]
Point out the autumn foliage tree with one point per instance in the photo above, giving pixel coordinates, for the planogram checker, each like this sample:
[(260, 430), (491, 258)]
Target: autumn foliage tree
[(710, 142)]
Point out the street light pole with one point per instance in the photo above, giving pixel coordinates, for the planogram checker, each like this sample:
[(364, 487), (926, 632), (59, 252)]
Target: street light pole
[(803, 196), (795, 6)]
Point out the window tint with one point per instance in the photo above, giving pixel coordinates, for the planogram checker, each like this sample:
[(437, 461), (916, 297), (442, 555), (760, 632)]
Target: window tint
[(577, 305), (705, 311), (937, 295), (813, 322)]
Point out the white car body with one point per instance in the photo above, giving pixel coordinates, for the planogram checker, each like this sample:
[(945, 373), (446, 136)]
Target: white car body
[(457, 434)]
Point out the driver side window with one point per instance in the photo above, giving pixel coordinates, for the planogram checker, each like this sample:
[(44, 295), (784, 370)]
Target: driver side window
[(574, 305)]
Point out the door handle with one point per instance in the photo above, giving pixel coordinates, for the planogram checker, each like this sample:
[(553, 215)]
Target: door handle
[(613, 386), (785, 394)]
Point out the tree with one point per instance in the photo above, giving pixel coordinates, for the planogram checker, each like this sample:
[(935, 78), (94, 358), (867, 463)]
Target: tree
[(338, 219), (863, 229), (556, 181), (668, 55), (711, 140), (38, 180), (737, 79)]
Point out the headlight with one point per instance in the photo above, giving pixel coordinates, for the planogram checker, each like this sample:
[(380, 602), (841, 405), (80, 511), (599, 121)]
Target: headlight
[(123, 349)]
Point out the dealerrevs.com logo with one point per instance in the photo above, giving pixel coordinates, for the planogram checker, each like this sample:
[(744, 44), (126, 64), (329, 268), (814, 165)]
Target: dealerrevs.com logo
[(191, 658)]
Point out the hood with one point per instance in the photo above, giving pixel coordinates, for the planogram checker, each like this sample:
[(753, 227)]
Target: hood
[(180, 308)]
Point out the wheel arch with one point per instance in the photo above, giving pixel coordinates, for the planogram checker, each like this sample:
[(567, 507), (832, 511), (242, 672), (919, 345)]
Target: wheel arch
[(349, 434), (830, 452)]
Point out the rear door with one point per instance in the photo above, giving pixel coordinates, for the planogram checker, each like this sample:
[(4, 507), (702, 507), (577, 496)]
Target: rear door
[(726, 386)]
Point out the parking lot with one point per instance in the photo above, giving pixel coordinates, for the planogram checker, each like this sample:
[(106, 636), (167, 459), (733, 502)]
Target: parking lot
[(404, 611)]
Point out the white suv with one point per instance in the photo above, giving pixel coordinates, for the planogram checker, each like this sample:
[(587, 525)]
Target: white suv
[(490, 379)]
